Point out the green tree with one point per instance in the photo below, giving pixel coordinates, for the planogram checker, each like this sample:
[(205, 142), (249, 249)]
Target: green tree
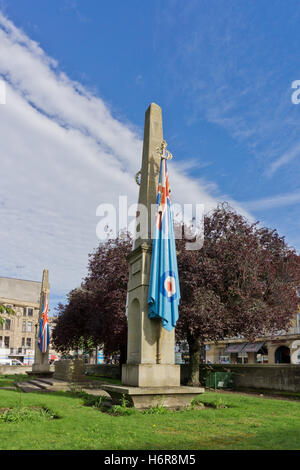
[(95, 313), (241, 282), (5, 310)]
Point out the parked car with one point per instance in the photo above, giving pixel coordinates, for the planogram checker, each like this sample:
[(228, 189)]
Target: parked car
[(11, 362), (16, 362)]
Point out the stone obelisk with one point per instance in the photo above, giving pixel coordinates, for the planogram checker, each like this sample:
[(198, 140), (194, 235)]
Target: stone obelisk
[(41, 360), (150, 376), (150, 353)]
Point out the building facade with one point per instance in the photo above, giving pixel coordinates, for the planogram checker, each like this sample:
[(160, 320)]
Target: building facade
[(280, 348), (17, 335)]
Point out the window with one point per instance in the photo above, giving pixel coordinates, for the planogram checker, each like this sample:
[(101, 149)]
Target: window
[(7, 324), (1, 341), (6, 341), (24, 311), (24, 326), (224, 358), (23, 342), (28, 342), (30, 312), (29, 326)]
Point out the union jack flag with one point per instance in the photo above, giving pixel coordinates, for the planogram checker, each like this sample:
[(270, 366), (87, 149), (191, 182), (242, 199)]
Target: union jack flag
[(43, 338), (164, 292)]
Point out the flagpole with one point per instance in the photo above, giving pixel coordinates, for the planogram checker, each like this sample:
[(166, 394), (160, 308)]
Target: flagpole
[(158, 355)]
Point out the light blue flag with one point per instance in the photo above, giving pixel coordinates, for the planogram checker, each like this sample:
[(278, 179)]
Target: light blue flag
[(164, 292)]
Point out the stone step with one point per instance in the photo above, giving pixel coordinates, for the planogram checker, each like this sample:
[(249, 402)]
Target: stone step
[(27, 387), (39, 383), (49, 385), (97, 392), (44, 385), (45, 381)]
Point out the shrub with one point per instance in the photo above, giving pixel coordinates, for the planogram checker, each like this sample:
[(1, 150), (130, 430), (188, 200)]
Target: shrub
[(34, 413), (94, 401), (123, 409)]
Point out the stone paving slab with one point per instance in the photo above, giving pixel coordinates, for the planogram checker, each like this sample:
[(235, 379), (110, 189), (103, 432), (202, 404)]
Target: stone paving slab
[(98, 392), (56, 385), (146, 397)]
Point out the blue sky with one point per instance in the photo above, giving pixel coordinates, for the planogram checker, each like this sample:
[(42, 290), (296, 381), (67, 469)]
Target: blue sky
[(80, 75)]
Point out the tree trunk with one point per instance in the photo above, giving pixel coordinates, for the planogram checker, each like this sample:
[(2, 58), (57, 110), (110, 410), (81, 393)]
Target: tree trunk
[(123, 356), (194, 351)]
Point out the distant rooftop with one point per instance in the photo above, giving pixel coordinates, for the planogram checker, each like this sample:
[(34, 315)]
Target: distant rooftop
[(20, 289)]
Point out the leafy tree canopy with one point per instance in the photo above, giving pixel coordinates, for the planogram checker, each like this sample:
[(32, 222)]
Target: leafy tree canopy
[(241, 282)]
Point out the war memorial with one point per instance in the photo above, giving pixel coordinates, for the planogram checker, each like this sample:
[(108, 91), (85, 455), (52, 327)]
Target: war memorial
[(41, 366), (150, 375)]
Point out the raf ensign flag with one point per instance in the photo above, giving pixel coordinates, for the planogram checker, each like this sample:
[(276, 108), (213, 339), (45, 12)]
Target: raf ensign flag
[(164, 293)]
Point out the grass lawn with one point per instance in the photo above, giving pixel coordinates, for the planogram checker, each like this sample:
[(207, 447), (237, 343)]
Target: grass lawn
[(7, 380), (246, 423), (107, 380)]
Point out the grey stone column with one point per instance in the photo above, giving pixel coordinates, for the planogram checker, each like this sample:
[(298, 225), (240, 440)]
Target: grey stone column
[(151, 355), (41, 360)]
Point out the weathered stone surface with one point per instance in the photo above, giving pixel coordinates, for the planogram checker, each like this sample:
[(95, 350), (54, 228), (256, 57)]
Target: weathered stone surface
[(14, 369), (70, 370), (146, 397), (153, 137), (151, 375), (103, 370), (279, 377), (40, 374), (148, 342)]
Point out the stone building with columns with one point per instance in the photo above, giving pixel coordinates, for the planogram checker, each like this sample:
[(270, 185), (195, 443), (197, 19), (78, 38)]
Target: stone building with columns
[(280, 348)]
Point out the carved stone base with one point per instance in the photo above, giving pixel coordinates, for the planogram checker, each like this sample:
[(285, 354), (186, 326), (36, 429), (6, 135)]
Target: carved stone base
[(175, 398), (40, 368), (41, 374), (151, 375)]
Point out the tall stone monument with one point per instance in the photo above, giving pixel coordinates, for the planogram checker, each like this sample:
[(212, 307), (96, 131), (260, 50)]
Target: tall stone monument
[(150, 353), (41, 364), (150, 374)]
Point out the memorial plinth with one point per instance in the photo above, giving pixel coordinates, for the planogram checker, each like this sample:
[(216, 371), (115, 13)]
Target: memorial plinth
[(142, 368), (70, 370), (175, 398), (150, 374)]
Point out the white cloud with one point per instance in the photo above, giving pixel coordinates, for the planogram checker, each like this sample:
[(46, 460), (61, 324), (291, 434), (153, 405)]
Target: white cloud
[(62, 154), (288, 156), (273, 202)]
